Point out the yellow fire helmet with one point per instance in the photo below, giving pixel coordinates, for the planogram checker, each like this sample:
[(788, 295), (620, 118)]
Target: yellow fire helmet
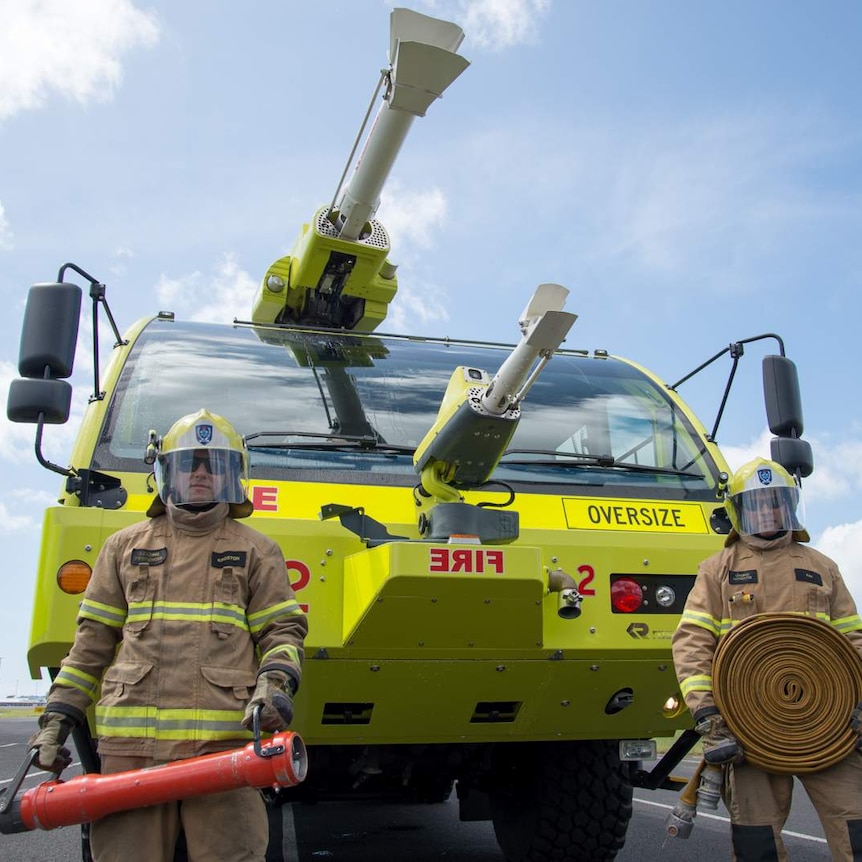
[(201, 460), (763, 499)]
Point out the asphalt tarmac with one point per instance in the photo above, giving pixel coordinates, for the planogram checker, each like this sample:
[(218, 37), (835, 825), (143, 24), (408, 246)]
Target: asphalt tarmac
[(371, 831)]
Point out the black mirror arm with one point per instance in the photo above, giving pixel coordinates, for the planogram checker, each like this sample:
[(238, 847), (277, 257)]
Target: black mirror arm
[(48, 465), (97, 294), (735, 353), (736, 349)]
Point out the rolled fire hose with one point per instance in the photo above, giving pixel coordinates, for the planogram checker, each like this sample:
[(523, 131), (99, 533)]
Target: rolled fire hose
[(786, 684)]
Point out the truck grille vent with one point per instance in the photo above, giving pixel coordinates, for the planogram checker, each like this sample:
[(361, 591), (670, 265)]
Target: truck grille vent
[(347, 713), (488, 711)]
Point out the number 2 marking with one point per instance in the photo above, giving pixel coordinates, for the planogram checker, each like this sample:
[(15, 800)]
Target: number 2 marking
[(589, 573)]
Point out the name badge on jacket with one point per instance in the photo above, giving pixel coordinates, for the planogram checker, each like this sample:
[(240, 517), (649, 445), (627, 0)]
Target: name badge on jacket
[(809, 577), (228, 559), (749, 576), (149, 556)]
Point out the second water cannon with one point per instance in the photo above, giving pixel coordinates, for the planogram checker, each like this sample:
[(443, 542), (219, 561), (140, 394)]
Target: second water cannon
[(479, 414)]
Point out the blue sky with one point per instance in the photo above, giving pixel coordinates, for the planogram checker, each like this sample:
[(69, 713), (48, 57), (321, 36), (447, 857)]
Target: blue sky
[(691, 172)]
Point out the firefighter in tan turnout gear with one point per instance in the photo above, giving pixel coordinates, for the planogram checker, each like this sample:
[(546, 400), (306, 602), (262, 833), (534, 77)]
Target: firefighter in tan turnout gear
[(188, 623), (764, 568)]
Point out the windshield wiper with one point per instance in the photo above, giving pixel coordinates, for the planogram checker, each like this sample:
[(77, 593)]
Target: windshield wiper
[(577, 458), (560, 459), (662, 471), (327, 441)]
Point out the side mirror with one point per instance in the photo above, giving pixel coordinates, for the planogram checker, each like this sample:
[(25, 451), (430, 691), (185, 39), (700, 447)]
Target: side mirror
[(781, 394), (49, 335), (793, 454), (28, 399)]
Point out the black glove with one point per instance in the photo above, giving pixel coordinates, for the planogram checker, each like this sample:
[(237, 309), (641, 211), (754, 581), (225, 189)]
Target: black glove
[(54, 728), (718, 743), (274, 696), (856, 723)]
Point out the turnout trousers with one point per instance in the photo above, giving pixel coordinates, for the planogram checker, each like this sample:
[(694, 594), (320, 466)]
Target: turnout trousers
[(230, 826), (759, 803)]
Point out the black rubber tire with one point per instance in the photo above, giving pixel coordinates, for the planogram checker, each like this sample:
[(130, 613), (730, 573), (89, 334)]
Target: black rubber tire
[(562, 802)]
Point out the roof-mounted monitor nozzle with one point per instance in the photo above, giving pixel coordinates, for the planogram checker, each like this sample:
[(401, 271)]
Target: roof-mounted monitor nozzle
[(422, 63)]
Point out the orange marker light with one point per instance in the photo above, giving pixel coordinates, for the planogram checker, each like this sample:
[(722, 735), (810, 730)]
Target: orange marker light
[(73, 576)]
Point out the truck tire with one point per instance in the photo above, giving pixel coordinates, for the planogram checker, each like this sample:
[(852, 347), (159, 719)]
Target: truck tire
[(562, 802)]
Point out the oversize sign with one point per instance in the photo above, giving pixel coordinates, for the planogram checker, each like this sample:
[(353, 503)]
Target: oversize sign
[(602, 513)]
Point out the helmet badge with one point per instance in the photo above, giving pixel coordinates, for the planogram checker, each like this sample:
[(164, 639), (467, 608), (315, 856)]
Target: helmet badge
[(764, 474), (204, 434)]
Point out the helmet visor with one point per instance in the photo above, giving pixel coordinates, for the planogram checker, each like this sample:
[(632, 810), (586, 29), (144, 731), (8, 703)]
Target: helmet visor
[(201, 476), (767, 511)]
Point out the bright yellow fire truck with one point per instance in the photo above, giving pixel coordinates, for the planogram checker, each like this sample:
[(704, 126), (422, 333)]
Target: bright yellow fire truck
[(493, 543)]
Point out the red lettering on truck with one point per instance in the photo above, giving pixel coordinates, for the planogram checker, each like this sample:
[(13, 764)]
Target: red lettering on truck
[(466, 560), (302, 579), (264, 499)]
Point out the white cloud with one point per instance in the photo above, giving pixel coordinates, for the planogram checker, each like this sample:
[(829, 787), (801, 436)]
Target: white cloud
[(121, 255), (837, 469), (24, 510), (844, 544), (741, 454), (227, 293), (74, 49), (411, 216), (5, 233), (415, 307), (499, 24)]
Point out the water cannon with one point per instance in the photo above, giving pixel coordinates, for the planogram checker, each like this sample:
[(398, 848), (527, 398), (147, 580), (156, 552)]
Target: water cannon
[(423, 63), (544, 325), (338, 273), (476, 421)]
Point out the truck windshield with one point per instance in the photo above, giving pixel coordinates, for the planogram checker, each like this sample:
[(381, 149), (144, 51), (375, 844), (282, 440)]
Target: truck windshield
[(352, 408)]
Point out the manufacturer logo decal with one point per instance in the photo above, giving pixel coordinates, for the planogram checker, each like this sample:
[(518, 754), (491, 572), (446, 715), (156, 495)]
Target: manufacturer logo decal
[(204, 434), (764, 474), (641, 631)]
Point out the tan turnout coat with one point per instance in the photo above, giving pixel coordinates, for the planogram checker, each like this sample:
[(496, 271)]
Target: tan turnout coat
[(181, 613)]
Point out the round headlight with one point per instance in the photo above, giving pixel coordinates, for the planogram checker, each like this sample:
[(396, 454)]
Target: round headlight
[(665, 596)]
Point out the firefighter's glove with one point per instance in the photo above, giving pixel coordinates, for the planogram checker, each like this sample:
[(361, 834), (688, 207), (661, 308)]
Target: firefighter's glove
[(856, 723), (273, 694), (718, 743), (54, 727)]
